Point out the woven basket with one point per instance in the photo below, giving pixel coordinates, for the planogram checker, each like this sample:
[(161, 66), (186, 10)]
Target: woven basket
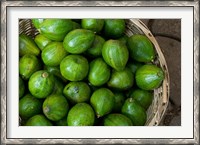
[(158, 107)]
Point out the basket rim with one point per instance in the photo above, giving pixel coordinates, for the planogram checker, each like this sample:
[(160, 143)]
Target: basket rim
[(166, 82), (158, 115)]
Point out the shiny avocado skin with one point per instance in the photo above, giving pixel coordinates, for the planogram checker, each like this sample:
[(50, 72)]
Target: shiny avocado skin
[(53, 54), (117, 119), (134, 111), (78, 41), (121, 80), (41, 84), (28, 64), (115, 54), (55, 107), (74, 67), (140, 48), (27, 46), (56, 29), (149, 77), (38, 120), (99, 72), (102, 100), (81, 114)]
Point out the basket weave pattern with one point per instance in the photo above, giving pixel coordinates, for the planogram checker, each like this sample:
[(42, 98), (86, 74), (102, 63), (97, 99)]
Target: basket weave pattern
[(133, 26)]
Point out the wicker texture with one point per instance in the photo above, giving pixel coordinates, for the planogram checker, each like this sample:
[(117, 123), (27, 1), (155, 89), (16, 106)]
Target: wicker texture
[(159, 105), (161, 94)]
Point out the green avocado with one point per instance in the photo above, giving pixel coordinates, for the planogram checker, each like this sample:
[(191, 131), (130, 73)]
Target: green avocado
[(143, 97), (141, 49), (96, 49), (41, 84), (95, 25), (37, 22), (53, 54), (79, 40), (117, 119), (56, 29), (41, 41), (28, 64), (99, 72), (102, 100), (149, 77), (21, 87), (27, 46), (29, 106), (74, 67), (55, 70), (134, 65), (81, 114), (76, 25), (77, 92), (119, 101), (58, 86), (38, 120), (134, 111), (122, 80), (114, 28), (55, 107), (115, 54)]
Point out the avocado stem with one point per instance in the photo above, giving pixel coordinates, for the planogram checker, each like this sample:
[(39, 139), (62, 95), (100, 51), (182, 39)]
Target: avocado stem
[(45, 74), (46, 109), (98, 116), (131, 100)]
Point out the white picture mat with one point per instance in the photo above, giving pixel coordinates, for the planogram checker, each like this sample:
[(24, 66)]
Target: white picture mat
[(183, 131)]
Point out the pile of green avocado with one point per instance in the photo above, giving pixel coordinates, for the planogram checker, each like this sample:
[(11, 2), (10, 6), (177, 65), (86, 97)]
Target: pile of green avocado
[(85, 72)]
